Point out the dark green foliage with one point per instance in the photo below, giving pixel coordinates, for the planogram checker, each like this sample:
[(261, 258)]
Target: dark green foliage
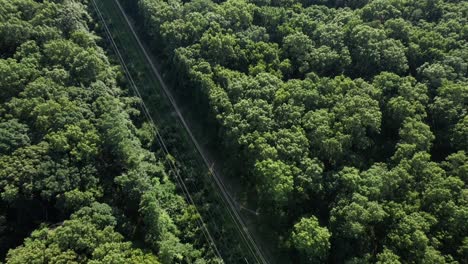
[(354, 111), (72, 168)]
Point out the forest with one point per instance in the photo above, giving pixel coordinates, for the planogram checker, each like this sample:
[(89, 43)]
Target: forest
[(80, 179), (346, 123), (347, 120)]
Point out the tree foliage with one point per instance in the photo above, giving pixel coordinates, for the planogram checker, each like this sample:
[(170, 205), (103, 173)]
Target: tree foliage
[(347, 113), (76, 183)]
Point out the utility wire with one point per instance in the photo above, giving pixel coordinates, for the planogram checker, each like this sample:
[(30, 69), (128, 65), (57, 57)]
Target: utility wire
[(243, 230), (226, 196)]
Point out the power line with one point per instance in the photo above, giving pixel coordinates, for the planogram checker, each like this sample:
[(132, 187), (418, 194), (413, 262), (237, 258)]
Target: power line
[(158, 135), (243, 230)]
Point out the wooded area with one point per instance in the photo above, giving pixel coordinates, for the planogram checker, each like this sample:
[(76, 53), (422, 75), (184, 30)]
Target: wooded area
[(348, 119), (346, 122), (79, 182)]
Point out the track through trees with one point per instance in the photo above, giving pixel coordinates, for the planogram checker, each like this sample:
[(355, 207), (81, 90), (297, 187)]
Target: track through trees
[(224, 222)]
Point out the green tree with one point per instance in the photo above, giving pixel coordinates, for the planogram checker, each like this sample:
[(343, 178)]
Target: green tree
[(14, 76), (276, 181), (13, 135), (410, 238), (372, 51), (299, 47), (311, 239), (387, 257)]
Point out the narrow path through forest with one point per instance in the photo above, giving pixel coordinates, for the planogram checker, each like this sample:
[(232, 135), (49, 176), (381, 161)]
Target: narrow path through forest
[(247, 232)]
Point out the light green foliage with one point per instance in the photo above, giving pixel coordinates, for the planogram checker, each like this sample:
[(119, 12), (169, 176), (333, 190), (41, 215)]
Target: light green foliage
[(414, 136), (89, 237), (311, 239), (387, 257), (355, 219), (276, 181)]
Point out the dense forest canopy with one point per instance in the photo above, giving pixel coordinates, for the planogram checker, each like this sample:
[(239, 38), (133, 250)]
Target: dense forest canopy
[(345, 120), (349, 117), (78, 180)]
